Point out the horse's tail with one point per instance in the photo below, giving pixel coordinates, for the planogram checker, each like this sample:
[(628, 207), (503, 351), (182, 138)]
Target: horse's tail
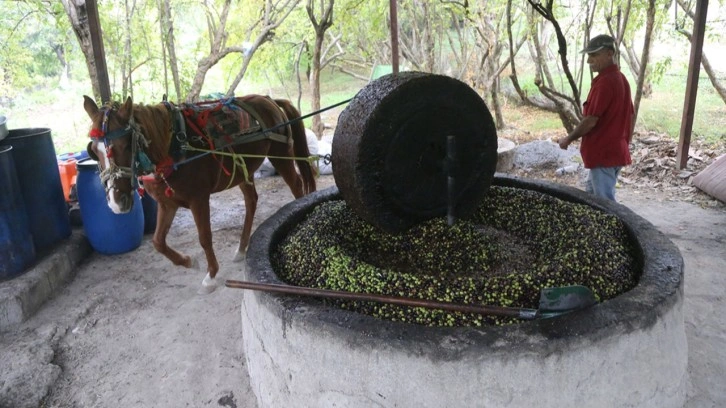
[(300, 145)]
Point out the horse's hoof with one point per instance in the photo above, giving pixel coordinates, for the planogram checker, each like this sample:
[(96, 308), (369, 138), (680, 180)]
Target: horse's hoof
[(209, 285), (239, 256), (205, 290)]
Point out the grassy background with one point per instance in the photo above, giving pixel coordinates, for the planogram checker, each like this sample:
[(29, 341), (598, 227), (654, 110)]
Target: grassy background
[(663, 111)]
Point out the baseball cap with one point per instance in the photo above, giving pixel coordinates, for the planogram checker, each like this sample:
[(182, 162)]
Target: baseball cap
[(599, 42)]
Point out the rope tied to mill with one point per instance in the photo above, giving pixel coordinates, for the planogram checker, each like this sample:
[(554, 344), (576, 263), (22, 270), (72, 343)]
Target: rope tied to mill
[(239, 160)]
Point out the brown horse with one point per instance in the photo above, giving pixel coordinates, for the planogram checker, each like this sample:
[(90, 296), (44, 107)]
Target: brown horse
[(151, 144)]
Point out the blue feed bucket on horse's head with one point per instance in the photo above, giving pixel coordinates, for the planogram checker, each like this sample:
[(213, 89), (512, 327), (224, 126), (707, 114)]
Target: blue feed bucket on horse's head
[(108, 233)]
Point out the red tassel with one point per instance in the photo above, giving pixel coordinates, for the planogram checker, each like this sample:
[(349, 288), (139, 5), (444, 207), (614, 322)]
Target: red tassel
[(168, 192), (141, 191), (95, 134)]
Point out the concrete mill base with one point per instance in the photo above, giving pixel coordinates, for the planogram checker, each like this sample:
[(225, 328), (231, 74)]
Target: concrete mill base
[(630, 351)]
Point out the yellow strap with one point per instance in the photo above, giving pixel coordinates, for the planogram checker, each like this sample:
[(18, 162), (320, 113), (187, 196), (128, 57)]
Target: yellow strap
[(238, 159)]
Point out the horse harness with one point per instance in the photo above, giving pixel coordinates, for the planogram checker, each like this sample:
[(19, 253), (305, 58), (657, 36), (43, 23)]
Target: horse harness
[(214, 125), (138, 145)]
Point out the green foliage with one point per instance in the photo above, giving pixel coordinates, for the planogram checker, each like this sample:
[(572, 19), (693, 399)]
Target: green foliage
[(526, 82), (638, 15), (364, 38), (659, 69), (40, 46), (28, 36), (29, 31), (275, 63)]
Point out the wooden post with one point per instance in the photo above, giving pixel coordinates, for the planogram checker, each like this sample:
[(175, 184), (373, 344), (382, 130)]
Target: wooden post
[(98, 53), (694, 68), (394, 36)]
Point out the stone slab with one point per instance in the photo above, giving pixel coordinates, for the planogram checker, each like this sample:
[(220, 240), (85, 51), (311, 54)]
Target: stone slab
[(23, 295)]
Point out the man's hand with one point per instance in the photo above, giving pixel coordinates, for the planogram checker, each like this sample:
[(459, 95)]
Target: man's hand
[(564, 142), (586, 124)]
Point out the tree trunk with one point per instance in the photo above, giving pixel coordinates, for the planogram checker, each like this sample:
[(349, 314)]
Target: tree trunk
[(303, 46), (318, 127), (168, 24), (526, 99), (644, 59), (713, 77), (217, 51), (488, 28), (60, 53), (633, 63), (245, 63), (162, 19), (127, 87), (274, 14), (428, 37), (513, 75), (418, 40), (548, 15), (78, 16), (495, 103), (566, 105), (321, 26), (629, 55)]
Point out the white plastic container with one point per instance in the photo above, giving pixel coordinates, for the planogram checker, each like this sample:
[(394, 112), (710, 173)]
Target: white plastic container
[(567, 169)]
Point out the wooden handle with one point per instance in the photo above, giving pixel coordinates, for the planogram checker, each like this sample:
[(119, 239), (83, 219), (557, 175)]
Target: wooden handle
[(520, 313)]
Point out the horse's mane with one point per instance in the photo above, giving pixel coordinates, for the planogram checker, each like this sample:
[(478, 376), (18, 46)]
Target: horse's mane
[(155, 124)]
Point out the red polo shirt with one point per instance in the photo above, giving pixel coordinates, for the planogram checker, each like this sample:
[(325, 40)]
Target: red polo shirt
[(607, 144)]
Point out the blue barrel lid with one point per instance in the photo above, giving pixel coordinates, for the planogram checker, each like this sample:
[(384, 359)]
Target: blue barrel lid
[(75, 156)]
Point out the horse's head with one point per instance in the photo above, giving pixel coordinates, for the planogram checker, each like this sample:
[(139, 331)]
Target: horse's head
[(112, 139)]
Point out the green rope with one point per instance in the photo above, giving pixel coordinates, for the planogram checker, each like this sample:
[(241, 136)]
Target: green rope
[(238, 159)]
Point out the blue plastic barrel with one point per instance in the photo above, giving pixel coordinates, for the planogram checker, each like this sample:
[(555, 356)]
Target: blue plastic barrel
[(149, 205), (17, 251), (108, 233), (36, 167)]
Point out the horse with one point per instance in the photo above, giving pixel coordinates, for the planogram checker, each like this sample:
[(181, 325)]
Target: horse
[(181, 164)]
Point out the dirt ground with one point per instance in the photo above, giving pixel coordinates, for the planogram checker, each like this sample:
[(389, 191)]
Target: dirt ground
[(131, 331)]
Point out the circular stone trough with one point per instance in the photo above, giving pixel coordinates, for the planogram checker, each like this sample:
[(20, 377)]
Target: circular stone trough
[(629, 351)]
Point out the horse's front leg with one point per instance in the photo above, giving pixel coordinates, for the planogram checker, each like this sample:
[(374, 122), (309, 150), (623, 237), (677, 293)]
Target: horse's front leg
[(250, 193), (165, 214), (200, 211)]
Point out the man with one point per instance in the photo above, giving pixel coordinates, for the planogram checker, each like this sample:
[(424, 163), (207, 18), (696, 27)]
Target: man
[(607, 125)]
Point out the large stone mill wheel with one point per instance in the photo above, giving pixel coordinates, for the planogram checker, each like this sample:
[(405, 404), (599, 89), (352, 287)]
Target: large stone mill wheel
[(389, 150)]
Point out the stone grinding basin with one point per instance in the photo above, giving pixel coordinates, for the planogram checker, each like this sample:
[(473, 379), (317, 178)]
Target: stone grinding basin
[(627, 351)]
